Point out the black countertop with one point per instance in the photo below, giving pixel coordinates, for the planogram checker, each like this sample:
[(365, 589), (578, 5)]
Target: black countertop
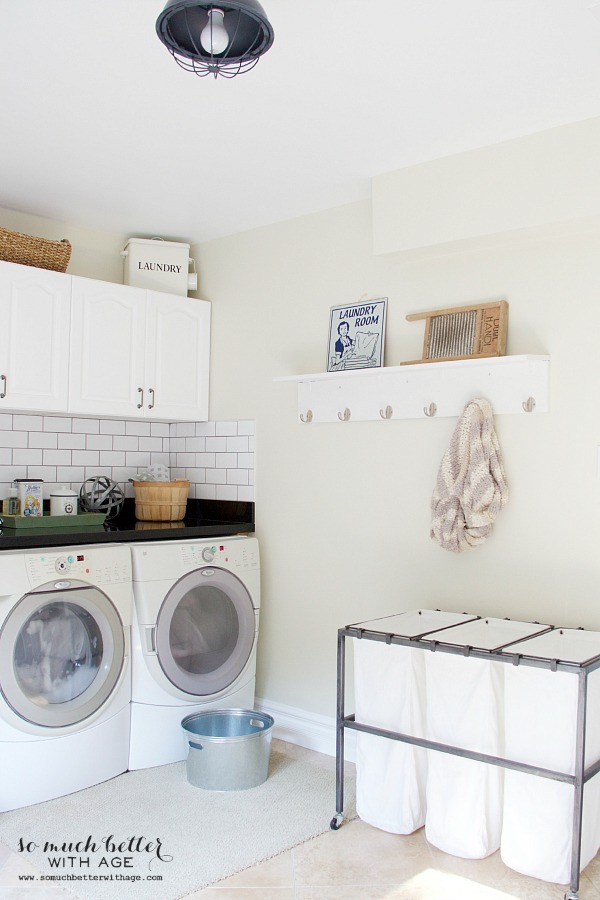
[(203, 519)]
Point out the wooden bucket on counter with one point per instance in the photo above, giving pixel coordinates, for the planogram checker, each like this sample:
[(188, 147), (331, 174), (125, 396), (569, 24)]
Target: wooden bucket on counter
[(160, 501)]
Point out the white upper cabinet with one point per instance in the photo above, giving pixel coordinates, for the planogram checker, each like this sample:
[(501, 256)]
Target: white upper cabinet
[(108, 325), (177, 357), (34, 339), (138, 353)]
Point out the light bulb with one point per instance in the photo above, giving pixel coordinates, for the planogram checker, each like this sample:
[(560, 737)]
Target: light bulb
[(214, 37)]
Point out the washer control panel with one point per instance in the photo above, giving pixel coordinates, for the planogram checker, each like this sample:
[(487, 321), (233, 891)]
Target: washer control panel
[(235, 554), (110, 566)]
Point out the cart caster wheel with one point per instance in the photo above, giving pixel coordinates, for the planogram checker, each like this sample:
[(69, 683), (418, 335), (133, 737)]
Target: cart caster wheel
[(337, 821), (572, 895)]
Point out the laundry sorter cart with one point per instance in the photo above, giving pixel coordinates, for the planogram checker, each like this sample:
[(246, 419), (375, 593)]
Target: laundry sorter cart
[(530, 657)]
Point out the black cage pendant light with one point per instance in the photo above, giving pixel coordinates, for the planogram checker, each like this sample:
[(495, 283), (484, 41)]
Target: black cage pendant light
[(215, 39)]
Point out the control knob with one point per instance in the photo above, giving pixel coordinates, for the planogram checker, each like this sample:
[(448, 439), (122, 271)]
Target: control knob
[(208, 554)]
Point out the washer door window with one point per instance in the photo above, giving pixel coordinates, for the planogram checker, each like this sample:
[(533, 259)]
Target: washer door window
[(205, 631), (61, 654)]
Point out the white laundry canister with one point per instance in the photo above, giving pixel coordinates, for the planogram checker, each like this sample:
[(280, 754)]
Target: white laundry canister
[(63, 501), (159, 265)]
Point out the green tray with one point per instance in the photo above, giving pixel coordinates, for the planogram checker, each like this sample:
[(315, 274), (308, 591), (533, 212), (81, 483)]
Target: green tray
[(83, 520)]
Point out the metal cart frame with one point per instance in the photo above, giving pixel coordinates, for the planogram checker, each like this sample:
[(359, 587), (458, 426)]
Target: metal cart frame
[(578, 780)]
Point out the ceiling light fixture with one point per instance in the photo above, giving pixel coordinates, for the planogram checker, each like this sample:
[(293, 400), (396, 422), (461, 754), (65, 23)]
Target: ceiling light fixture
[(208, 39)]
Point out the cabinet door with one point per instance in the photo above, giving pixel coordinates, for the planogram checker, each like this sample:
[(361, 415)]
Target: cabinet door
[(108, 324), (177, 357), (34, 338)]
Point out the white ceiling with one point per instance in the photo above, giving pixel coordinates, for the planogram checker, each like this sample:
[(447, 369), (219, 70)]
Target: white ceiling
[(100, 127)]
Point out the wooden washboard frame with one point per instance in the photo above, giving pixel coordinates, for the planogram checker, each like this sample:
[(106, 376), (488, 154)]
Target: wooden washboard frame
[(463, 332)]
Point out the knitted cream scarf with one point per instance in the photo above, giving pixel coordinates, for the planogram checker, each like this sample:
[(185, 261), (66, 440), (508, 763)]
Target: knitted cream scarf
[(471, 486)]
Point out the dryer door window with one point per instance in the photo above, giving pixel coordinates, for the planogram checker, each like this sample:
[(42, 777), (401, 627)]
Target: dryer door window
[(61, 654), (205, 631)]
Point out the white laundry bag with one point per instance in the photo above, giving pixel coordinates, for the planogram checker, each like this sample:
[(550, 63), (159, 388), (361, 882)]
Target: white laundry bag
[(390, 776), (464, 797), (541, 725)]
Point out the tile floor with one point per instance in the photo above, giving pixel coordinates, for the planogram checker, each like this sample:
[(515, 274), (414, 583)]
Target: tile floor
[(357, 862)]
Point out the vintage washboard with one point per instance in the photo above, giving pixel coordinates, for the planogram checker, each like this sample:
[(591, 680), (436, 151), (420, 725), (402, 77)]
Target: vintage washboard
[(463, 332)]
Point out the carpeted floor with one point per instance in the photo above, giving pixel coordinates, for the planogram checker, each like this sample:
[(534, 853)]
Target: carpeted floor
[(150, 835)]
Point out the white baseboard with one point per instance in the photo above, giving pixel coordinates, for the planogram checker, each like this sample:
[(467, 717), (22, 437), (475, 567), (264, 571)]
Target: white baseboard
[(307, 729)]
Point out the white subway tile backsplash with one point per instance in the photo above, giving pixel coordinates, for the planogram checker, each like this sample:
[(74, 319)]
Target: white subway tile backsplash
[(205, 460), (139, 428), (86, 426), (14, 438), (58, 457), (46, 473), (151, 443), (9, 473), (162, 459), (45, 439), (112, 426), (195, 476), (226, 460), (70, 475), (186, 429), (28, 423), (237, 444), (226, 492), (69, 441), (196, 444), (216, 476), (206, 429), (137, 459), (237, 476), (216, 444), (57, 423), (84, 457), (226, 428), (126, 442), (27, 457), (216, 457), (206, 492), (110, 458), (98, 442)]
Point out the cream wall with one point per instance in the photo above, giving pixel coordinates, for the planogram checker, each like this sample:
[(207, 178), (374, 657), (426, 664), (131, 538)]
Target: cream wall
[(343, 508)]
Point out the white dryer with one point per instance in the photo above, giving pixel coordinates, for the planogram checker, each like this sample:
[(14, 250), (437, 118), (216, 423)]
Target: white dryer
[(65, 673), (195, 629)]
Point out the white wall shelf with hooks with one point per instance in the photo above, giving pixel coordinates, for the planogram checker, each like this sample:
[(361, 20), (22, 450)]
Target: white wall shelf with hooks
[(512, 384)]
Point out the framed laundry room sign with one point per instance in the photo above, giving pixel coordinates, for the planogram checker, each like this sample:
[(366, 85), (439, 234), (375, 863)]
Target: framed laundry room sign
[(356, 335)]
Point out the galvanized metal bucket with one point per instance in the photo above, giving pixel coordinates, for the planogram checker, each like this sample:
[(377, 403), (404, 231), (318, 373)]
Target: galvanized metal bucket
[(229, 749)]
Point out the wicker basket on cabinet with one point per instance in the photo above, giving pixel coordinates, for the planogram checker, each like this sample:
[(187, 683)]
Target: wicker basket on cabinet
[(34, 251)]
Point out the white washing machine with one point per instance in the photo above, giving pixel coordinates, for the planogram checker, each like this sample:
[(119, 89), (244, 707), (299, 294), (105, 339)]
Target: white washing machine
[(194, 635), (65, 670)]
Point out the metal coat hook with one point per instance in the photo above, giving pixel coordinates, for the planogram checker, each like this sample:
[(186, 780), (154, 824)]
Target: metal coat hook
[(344, 416), (308, 417), (386, 413), (431, 411), (529, 404)]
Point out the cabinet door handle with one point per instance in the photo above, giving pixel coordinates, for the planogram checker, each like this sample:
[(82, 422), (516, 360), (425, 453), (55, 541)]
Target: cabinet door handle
[(141, 391), (151, 391), (3, 394)]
